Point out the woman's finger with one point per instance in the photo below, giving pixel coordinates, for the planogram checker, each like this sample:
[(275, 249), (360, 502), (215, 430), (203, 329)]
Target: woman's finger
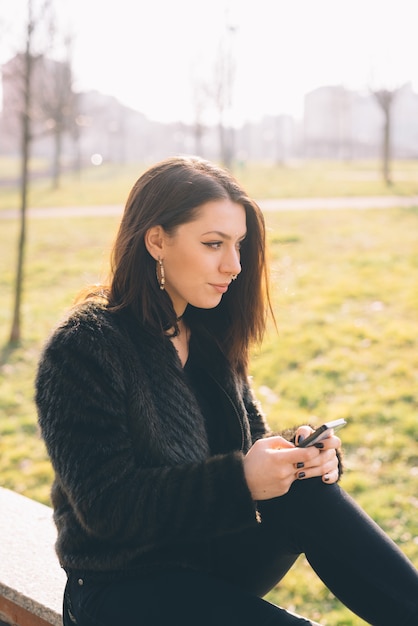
[(331, 477), (302, 432), (325, 463), (332, 442)]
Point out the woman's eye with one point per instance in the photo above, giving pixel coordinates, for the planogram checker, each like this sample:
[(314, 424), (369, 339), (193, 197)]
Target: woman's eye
[(213, 244)]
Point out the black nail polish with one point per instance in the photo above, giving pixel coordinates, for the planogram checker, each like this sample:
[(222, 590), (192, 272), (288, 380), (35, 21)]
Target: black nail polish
[(319, 445), (300, 438), (301, 475), (300, 464)]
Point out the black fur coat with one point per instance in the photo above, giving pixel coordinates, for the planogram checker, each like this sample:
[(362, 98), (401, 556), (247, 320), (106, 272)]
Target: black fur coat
[(135, 485)]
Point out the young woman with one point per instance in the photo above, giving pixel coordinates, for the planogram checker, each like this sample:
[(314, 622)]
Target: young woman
[(174, 502)]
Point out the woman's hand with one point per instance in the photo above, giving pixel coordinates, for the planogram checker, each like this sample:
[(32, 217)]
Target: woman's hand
[(273, 464), (327, 447)]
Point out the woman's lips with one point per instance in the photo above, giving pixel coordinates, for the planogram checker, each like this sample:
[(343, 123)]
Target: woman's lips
[(220, 288)]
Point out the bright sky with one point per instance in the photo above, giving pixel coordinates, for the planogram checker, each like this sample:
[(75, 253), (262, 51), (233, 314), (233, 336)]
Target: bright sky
[(150, 53)]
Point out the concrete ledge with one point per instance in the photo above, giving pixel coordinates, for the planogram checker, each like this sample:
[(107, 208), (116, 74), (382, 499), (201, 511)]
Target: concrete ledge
[(31, 580)]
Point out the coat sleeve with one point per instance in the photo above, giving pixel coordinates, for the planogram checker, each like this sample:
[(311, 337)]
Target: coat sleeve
[(82, 409)]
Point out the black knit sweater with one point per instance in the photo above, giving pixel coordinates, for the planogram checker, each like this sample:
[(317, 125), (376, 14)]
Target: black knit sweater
[(136, 486)]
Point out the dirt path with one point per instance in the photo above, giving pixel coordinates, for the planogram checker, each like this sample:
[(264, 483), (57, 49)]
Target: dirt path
[(281, 204)]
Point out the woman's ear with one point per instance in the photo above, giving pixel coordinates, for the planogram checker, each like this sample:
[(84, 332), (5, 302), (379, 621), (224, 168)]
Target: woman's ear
[(154, 241)]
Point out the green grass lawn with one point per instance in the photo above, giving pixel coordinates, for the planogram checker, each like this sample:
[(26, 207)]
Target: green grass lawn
[(345, 290), (346, 300), (110, 183)]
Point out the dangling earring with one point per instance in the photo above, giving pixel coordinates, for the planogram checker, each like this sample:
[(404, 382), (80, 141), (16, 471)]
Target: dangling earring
[(234, 276), (160, 273)]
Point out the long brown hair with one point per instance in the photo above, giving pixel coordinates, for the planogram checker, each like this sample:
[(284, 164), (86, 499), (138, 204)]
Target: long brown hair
[(168, 194)]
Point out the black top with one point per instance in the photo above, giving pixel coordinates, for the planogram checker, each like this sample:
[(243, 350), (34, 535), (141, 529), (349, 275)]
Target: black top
[(208, 397)]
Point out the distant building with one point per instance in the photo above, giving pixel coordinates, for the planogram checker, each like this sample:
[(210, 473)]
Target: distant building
[(327, 123), (276, 138), (337, 124), (343, 124), (340, 124), (50, 81), (405, 123)]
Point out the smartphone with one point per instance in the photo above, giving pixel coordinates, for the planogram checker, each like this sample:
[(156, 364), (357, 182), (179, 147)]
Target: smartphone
[(322, 433)]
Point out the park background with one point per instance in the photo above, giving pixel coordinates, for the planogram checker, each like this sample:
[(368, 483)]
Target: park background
[(344, 263)]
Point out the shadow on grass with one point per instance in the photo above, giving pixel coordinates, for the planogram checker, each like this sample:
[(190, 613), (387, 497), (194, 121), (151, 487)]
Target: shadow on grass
[(7, 350)]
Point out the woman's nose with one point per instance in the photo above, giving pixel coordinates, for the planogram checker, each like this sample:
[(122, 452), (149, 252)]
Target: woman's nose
[(231, 263)]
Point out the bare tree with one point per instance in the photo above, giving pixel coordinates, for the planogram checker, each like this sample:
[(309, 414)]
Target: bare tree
[(56, 100), (386, 98), (28, 64), (199, 101), (224, 76), (213, 94), (58, 107)]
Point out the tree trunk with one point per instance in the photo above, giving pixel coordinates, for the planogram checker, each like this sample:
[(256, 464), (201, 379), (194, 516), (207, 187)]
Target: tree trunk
[(56, 164), (387, 148), (385, 99), (15, 333)]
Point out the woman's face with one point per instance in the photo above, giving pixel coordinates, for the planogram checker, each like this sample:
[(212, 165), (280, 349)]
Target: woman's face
[(201, 257)]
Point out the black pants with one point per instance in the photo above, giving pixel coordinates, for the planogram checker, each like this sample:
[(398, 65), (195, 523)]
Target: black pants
[(347, 550)]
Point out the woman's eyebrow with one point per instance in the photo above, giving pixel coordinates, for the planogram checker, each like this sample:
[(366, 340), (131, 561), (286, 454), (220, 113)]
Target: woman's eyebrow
[(219, 233)]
